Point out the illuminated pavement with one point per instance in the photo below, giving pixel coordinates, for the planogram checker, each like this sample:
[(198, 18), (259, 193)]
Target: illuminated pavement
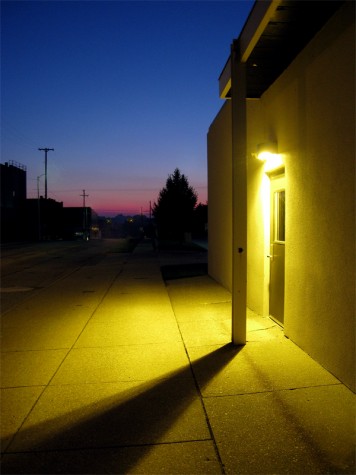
[(110, 370)]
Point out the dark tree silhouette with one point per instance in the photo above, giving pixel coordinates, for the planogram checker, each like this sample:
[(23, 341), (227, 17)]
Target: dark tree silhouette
[(174, 209), (200, 221)]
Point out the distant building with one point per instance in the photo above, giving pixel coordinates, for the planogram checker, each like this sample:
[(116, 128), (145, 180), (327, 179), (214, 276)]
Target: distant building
[(79, 223), (122, 226), (38, 218), (13, 197), (43, 220), (13, 184), (50, 220), (282, 225)]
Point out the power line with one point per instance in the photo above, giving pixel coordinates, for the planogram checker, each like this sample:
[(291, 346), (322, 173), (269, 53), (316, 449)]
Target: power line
[(11, 133)]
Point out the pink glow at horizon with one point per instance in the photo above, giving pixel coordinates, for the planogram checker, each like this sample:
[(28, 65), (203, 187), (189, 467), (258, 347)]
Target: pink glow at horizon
[(110, 203)]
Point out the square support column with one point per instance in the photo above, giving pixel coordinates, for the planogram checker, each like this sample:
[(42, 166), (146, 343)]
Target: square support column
[(239, 196)]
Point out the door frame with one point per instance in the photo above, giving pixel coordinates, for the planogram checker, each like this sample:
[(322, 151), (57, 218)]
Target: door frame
[(277, 250)]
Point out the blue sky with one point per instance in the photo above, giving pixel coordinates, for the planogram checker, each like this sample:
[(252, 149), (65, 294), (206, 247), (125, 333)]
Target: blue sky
[(124, 91)]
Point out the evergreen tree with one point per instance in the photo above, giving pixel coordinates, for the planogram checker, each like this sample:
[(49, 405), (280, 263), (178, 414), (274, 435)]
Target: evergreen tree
[(200, 221), (174, 209)]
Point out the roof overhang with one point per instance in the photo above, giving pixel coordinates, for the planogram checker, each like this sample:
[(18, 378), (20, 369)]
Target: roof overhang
[(274, 34)]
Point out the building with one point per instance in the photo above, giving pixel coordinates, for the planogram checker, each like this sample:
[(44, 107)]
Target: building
[(47, 219), (79, 223), (13, 197), (282, 229), (43, 220)]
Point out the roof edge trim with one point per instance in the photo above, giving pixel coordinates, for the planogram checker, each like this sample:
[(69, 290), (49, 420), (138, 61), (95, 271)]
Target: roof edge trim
[(225, 80), (255, 25)]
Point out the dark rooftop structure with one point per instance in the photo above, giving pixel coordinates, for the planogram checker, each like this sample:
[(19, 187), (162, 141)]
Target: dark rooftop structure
[(268, 53)]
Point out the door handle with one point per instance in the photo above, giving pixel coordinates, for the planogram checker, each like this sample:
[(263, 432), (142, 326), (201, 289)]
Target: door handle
[(271, 254)]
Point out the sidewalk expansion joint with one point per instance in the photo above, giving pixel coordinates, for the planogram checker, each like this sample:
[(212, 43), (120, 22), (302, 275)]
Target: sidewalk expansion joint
[(196, 384), (270, 391)]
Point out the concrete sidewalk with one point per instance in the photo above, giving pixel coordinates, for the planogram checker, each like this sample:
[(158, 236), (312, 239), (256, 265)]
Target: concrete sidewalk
[(151, 384)]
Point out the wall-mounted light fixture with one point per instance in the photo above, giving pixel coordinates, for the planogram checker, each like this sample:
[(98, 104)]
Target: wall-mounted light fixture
[(267, 152)]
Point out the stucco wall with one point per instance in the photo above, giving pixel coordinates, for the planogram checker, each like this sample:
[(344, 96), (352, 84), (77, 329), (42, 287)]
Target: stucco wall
[(310, 111), (220, 197)]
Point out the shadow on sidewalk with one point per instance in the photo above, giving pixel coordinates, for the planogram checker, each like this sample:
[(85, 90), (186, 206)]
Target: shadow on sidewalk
[(182, 271), (141, 416)]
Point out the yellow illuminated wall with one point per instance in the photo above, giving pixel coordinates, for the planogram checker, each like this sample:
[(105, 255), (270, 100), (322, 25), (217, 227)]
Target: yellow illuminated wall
[(310, 112), (310, 109), (320, 301), (220, 197)]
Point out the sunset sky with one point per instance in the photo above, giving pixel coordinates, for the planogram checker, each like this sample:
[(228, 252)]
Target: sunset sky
[(124, 91)]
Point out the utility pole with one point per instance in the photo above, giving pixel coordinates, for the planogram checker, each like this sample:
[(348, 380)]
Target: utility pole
[(84, 196), (45, 150), (84, 215), (39, 207)]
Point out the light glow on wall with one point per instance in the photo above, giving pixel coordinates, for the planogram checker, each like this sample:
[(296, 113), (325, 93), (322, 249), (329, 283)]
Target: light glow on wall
[(272, 161), (267, 153)]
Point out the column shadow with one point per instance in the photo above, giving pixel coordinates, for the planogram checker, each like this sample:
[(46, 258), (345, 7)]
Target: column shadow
[(100, 439)]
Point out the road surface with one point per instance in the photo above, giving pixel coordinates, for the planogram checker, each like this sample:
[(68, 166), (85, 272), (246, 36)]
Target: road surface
[(30, 271)]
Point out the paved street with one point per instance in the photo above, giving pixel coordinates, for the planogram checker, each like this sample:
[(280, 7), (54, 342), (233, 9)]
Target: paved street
[(27, 269)]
